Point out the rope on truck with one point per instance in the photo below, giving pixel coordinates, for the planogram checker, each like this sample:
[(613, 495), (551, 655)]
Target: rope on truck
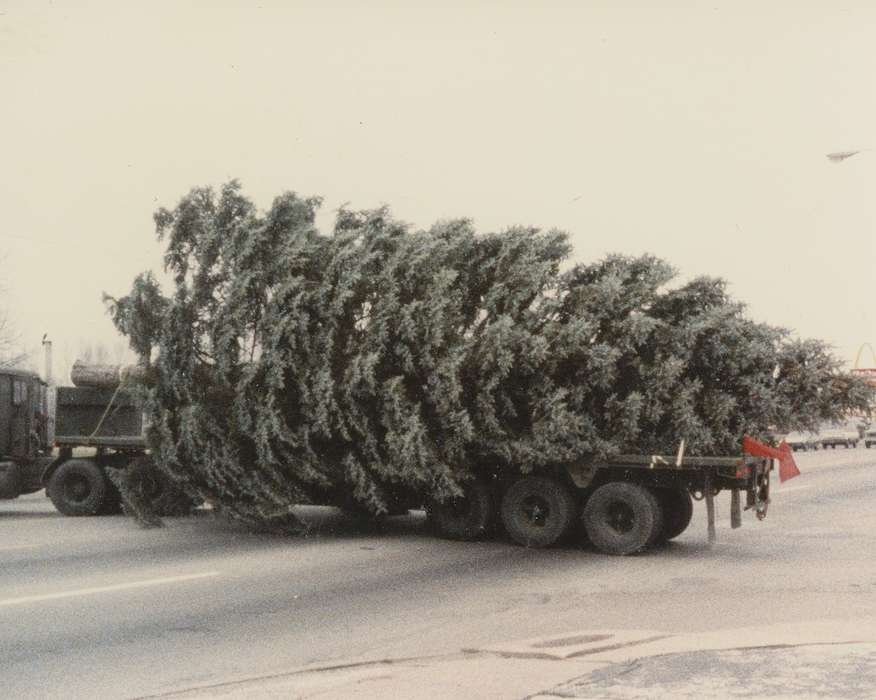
[(106, 411)]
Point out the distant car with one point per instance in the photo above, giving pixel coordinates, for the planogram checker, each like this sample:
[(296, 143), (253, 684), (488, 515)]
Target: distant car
[(838, 436), (802, 441), (870, 438)]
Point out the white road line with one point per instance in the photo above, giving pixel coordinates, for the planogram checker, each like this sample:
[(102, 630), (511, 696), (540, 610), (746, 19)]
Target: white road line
[(23, 600), (13, 547)]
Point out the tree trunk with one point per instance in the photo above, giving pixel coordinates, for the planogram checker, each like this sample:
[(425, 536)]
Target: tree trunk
[(105, 376)]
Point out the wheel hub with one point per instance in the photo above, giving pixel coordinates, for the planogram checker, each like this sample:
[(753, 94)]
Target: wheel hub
[(536, 510), (620, 517), (77, 490)]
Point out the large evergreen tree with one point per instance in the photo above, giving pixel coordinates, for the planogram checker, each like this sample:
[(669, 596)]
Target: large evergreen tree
[(377, 362)]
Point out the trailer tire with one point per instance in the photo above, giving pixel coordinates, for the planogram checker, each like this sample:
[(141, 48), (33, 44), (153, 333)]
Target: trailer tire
[(467, 517), (537, 511), (78, 487), (677, 508), (622, 518)]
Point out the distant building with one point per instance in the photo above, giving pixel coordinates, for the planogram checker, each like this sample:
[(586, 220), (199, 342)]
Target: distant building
[(869, 373)]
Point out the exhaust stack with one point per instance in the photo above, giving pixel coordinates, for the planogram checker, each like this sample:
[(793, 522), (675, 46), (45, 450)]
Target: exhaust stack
[(47, 352), (50, 399)]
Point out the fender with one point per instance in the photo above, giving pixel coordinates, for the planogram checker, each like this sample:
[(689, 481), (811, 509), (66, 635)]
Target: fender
[(52, 466)]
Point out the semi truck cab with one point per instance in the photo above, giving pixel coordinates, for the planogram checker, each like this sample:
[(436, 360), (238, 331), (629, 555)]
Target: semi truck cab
[(24, 432)]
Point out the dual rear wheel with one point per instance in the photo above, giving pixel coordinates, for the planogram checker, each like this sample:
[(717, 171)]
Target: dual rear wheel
[(469, 516), (82, 487), (623, 518), (535, 511), (538, 511), (78, 487)]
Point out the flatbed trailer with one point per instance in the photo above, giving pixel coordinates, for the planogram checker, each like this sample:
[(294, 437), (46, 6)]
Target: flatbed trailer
[(622, 505), (703, 477)]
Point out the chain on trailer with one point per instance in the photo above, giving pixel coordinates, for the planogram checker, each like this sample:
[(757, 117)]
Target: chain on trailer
[(759, 494)]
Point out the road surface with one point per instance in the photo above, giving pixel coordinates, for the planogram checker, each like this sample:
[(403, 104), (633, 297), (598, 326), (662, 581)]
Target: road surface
[(96, 607)]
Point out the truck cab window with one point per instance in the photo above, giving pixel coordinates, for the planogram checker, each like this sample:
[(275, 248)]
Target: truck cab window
[(17, 392)]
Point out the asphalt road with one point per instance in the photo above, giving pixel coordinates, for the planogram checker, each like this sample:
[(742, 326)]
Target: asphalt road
[(100, 608)]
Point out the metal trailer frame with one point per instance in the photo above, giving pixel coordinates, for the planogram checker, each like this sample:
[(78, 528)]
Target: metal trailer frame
[(703, 477)]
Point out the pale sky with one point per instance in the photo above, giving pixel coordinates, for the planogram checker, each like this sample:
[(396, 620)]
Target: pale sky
[(694, 131)]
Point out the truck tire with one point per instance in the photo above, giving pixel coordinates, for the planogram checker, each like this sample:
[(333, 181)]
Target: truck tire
[(537, 511), (112, 502), (677, 508), (468, 517), (10, 480), (78, 487), (622, 518), (149, 488)]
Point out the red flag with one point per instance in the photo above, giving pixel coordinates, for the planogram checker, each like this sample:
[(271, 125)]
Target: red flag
[(787, 466)]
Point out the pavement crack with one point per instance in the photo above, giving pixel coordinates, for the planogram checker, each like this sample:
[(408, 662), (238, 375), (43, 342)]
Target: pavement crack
[(551, 694), (630, 667), (298, 672)]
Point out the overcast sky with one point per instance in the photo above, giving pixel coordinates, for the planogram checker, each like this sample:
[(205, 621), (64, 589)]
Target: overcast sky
[(694, 131)]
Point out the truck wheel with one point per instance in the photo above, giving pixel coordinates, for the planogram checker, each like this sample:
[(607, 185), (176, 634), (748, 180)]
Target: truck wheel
[(149, 488), (677, 507), (622, 518), (112, 502), (537, 511), (78, 487), (10, 480), (467, 517)]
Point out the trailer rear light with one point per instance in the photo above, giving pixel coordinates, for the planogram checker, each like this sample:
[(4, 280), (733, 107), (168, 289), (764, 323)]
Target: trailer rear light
[(743, 472)]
